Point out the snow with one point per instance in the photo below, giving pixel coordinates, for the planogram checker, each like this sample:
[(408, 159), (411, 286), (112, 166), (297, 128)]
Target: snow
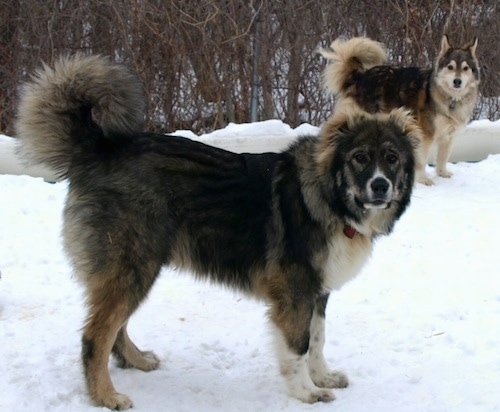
[(417, 330)]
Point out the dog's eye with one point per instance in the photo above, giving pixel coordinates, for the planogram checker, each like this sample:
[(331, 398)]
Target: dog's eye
[(450, 67), (361, 158), (391, 158), (465, 68)]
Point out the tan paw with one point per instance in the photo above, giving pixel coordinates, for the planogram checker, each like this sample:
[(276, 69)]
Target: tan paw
[(333, 379), (444, 173), (425, 180), (149, 361), (115, 401)]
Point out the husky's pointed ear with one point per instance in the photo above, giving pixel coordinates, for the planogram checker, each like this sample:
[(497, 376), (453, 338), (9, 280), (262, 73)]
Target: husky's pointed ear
[(445, 45), (472, 47)]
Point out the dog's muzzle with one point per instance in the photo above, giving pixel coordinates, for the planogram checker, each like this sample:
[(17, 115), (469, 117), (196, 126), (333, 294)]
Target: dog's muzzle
[(379, 194)]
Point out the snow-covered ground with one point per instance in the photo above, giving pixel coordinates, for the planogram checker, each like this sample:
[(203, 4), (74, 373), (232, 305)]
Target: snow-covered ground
[(417, 330)]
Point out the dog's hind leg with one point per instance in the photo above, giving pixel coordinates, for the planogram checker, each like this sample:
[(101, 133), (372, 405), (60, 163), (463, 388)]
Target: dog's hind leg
[(292, 322), (321, 374), (129, 356), (112, 298)]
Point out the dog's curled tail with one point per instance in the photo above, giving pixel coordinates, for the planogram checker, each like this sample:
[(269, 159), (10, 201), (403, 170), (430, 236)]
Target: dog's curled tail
[(347, 57), (80, 99)]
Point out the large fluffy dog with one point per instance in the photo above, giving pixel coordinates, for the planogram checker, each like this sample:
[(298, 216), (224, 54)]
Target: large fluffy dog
[(441, 98), (286, 227)]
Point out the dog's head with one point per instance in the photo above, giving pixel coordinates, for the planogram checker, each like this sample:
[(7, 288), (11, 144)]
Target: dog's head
[(457, 69), (368, 165)]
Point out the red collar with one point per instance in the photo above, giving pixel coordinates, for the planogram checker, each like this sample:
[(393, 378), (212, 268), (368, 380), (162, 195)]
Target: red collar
[(349, 231)]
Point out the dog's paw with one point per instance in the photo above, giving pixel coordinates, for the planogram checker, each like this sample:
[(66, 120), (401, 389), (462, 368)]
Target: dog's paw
[(115, 401), (444, 173), (302, 387), (332, 379), (320, 395), (422, 177), (313, 395), (145, 361), (148, 362), (425, 180)]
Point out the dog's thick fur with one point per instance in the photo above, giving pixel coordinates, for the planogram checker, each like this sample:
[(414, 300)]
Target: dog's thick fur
[(441, 98), (286, 227)]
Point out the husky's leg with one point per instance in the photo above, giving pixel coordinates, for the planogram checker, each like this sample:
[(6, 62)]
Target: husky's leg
[(421, 162), (444, 146)]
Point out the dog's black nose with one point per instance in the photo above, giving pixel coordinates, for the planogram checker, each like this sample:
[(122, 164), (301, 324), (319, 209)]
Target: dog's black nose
[(380, 186), (457, 82)]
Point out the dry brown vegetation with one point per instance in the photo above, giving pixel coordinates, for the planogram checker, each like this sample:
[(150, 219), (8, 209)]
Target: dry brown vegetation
[(202, 60)]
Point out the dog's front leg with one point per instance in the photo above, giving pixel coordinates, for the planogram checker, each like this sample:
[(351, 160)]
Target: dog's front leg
[(421, 160), (292, 318), (320, 373), (444, 146)]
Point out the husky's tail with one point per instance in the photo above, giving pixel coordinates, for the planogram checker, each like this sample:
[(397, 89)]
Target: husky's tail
[(64, 110), (348, 57)]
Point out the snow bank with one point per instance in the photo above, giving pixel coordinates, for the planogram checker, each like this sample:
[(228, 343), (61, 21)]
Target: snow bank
[(480, 139)]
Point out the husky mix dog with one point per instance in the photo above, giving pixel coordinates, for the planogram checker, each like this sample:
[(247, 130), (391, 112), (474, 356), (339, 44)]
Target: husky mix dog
[(441, 98), (285, 227)]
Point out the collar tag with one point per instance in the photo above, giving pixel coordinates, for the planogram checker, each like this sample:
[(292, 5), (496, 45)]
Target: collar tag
[(349, 231)]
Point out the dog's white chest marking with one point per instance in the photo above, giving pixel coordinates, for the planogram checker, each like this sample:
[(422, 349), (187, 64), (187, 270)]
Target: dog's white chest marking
[(346, 257), (446, 128)]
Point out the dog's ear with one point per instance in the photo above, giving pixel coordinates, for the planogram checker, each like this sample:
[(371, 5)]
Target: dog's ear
[(445, 45), (404, 119), (335, 124), (332, 130), (472, 47)]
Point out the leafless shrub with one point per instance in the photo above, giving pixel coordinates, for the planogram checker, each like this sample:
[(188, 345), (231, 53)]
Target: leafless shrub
[(199, 60)]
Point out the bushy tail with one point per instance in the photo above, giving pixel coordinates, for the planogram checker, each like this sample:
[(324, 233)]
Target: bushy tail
[(80, 98), (346, 57)]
